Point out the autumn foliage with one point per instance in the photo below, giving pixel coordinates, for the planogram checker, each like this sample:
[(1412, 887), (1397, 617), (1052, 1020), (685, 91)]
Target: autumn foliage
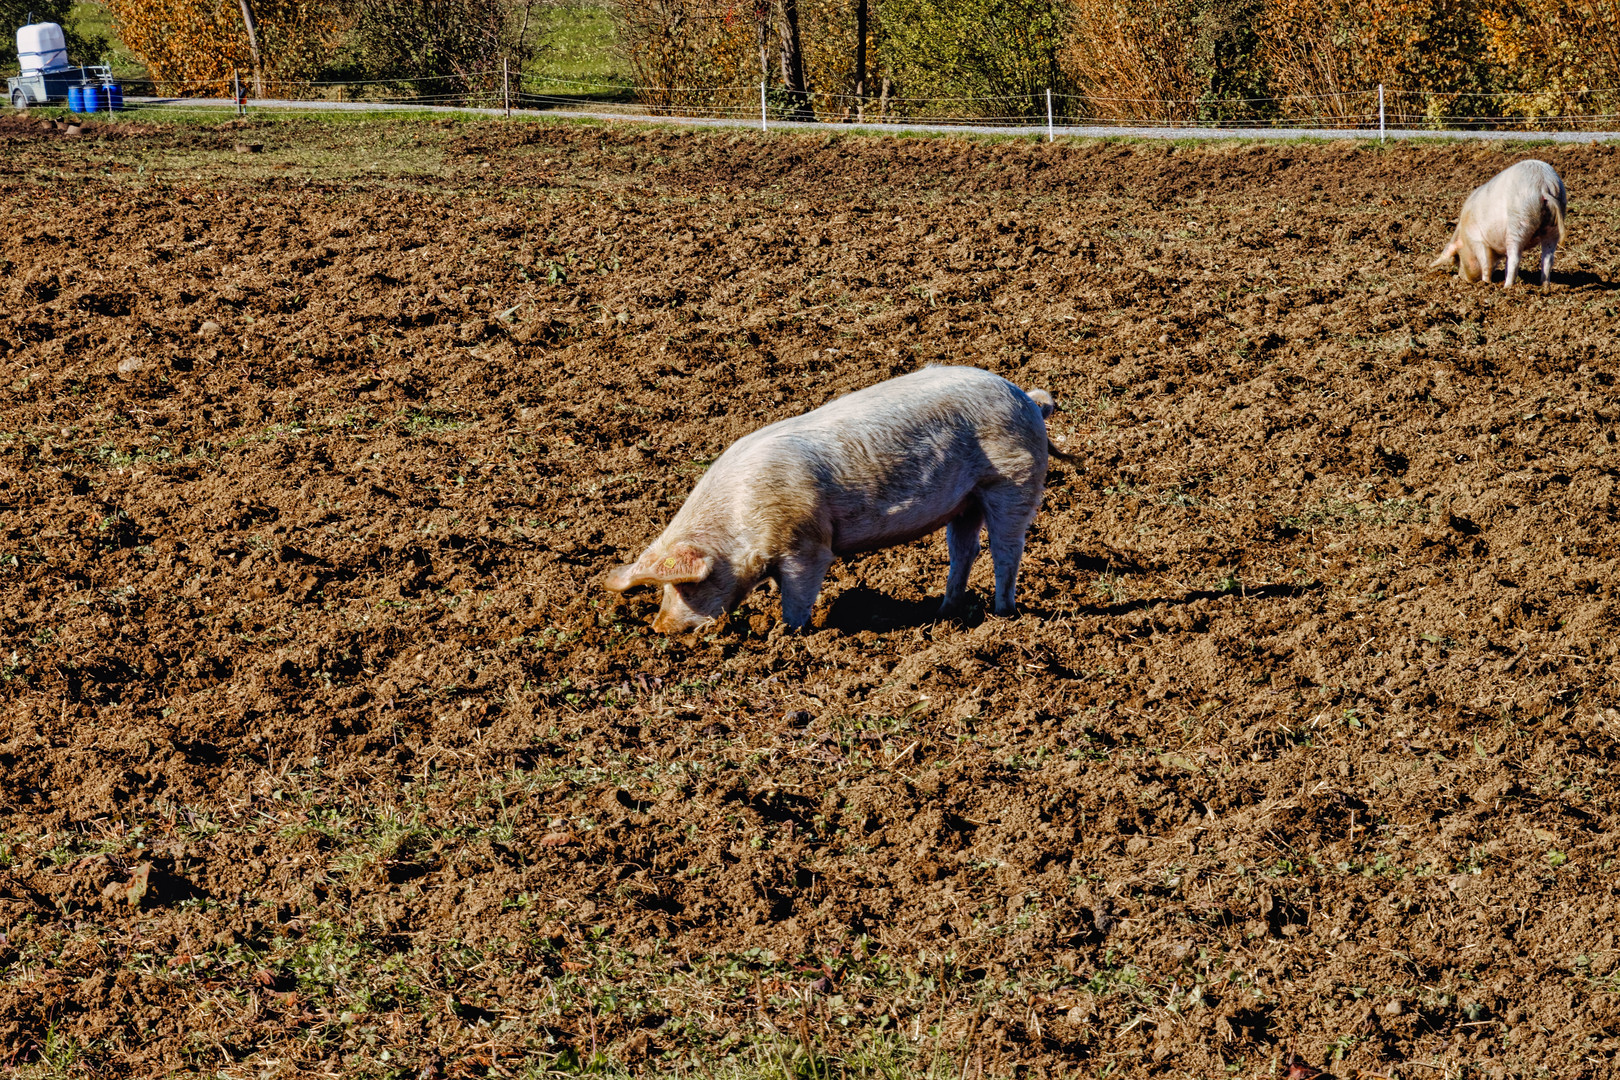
[(194, 46), (1161, 61), (1326, 57), (1441, 62), (1562, 58), (691, 54)]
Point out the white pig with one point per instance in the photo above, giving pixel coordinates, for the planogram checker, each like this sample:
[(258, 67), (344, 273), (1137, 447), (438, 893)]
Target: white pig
[(951, 446), (1519, 207)]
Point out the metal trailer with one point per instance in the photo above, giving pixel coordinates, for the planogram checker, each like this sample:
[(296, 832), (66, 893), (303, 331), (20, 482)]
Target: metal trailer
[(51, 87)]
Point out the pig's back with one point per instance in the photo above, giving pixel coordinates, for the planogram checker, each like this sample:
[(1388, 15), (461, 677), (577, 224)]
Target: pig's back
[(1518, 185), (935, 410), (897, 460)]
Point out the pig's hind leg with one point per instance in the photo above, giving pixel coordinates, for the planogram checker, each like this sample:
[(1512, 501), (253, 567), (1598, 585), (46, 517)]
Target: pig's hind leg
[(1007, 514), (1549, 248), (962, 540), (1513, 253), (799, 576)]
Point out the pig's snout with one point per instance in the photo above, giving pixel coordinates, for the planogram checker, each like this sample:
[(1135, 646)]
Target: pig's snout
[(698, 585), (676, 615)]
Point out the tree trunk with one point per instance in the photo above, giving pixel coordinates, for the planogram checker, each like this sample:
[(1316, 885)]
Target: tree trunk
[(762, 20), (860, 59), (787, 29), (253, 45)]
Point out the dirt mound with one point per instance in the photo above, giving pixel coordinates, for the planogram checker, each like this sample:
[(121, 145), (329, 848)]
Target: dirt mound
[(322, 748)]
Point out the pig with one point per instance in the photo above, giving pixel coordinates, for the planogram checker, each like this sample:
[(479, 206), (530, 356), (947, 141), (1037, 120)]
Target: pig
[(1519, 207), (952, 446)]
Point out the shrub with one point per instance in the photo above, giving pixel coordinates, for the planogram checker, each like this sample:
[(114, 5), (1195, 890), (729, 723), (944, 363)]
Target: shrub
[(192, 46), (1165, 60), (455, 47), (686, 54), (1326, 56), (1001, 54), (1563, 57)]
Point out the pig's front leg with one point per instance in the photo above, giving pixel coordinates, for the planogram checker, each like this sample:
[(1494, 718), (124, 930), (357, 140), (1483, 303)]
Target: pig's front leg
[(800, 576), (962, 541)]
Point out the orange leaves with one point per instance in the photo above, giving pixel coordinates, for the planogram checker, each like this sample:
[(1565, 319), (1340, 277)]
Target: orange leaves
[(1335, 52), (1134, 61), (188, 45), (689, 53), (192, 46), (1170, 60), (1564, 52)]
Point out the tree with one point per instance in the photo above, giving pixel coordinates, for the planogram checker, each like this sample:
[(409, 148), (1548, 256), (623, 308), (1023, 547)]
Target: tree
[(862, 29), (842, 62), (250, 24), (713, 54), (792, 57), (695, 54)]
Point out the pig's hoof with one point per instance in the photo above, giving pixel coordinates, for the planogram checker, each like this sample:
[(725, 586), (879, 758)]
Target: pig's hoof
[(1010, 611), (783, 630)]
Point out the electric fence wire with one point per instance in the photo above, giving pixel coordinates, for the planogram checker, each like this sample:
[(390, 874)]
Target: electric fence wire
[(1356, 110)]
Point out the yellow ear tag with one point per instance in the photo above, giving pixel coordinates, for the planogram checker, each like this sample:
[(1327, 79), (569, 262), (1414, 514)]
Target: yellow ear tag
[(669, 562)]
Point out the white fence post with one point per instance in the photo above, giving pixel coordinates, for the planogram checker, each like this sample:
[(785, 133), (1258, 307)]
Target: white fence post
[(1048, 114), (762, 126), (1380, 112)]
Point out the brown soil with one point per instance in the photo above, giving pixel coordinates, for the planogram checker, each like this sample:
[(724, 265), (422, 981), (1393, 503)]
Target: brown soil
[(1304, 742)]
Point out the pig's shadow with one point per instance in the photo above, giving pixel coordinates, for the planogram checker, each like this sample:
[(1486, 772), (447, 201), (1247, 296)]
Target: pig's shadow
[(1258, 592), (1576, 279), (860, 608), (1530, 277)]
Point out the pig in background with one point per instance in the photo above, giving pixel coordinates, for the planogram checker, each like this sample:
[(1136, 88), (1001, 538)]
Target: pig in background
[(1519, 207), (952, 446)]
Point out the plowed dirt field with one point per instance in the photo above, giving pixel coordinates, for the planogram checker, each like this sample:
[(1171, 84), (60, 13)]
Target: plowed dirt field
[(322, 751)]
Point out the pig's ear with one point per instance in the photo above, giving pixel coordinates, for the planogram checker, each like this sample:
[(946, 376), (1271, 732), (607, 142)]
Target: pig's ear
[(682, 562), (623, 577)]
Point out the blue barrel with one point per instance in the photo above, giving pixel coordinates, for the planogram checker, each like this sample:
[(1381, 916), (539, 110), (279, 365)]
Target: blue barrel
[(115, 98), (93, 101), (75, 99)]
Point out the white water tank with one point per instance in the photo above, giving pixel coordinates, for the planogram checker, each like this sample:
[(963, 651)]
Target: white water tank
[(41, 47)]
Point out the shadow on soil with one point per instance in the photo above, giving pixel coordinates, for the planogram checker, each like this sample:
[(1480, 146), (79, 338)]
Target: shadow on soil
[(863, 608), (1585, 279), (1261, 592)]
